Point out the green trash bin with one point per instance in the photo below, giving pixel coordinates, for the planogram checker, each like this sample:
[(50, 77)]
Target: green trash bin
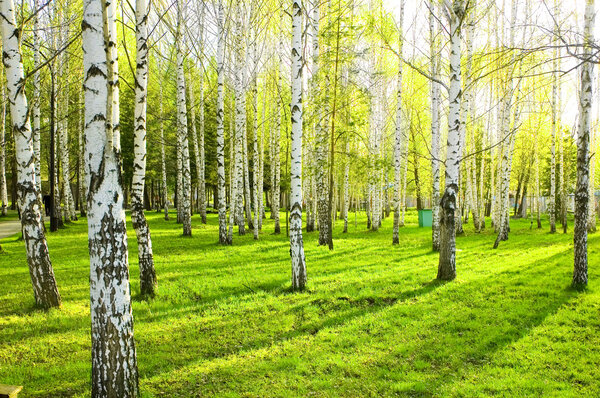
[(425, 218)]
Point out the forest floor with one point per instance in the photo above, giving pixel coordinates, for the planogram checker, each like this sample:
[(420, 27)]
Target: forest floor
[(374, 321), (9, 224)]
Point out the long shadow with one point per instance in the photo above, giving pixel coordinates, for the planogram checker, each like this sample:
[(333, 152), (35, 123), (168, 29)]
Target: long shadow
[(436, 337), (345, 309), (508, 326)]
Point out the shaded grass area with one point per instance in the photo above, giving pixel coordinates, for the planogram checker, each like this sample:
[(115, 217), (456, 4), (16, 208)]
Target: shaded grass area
[(374, 322)]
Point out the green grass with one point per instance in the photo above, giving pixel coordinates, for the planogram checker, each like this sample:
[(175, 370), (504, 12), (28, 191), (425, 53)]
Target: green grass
[(373, 323)]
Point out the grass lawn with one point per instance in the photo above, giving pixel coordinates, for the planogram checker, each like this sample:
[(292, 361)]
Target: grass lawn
[(373, 323)]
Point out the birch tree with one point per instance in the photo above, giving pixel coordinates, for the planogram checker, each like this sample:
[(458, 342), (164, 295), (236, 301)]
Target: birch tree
[(398, 144), (580, 274), (38, 259), (35, 103), (140, 225), (434, 69), (220, 125), (296, 243), (183, 201), (447, 263), (3, 187), (114, 363)]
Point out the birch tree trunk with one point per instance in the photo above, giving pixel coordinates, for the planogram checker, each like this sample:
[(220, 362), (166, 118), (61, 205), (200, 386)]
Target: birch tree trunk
[(508, 140), (296, 243), (276, 160), (194, 135), (220, 126), (81, 157), (255, 154), (555, 125), (182, 123), (435, 63), (240, 124), (69, 213), (580, 274), (346, 201), (321, 136), (592, 185), (114, 363), (40, 268), (398, 137), (35, 104), (3, 187), (201, 166), (146, 259), (163, 162), (447, 263)]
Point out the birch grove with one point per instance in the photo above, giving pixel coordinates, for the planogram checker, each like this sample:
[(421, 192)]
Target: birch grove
[(231, 121)]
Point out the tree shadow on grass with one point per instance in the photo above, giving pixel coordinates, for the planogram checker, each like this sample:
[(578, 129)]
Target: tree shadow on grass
[(460, 328)]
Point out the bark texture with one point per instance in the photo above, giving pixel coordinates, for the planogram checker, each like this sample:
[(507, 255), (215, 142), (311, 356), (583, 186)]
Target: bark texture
[(114, 363), (40, 268)]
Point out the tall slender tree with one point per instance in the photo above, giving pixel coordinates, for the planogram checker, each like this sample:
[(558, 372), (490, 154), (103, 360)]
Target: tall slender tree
[(184, 199), (114, 363), (220, 125), (140, 225), (296, 242), (40, 268), (580, 270), (447, 263)]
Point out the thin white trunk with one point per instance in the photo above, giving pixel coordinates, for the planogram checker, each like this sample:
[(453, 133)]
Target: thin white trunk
[(435, 63), (580, 272), (447, 262), (146, 259), (398, 137), (201, 165), (183, 201), (220, 126), (40, 268), (296, 243), (114, 363), (3, 187), (35, 103), (163, 162)]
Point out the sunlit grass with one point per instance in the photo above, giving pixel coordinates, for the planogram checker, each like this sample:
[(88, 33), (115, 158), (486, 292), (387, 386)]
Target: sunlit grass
[(373, 322)]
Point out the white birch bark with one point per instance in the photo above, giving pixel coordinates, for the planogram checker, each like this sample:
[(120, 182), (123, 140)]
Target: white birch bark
[(398, 133), (113, 64), (35, 103), (3, 187), (40, 268), (321, 98), (114, 364), (435, 63), (296, 243), (276, 160), (163, 162), (146, 259), (592, 185), (508, 139), (255, 149), (201, 162), (580, 273), (447, 263), (183, 201), (220, 126), (555, 126), (194, 134), (69, 211), (80, 158), (240, 124)]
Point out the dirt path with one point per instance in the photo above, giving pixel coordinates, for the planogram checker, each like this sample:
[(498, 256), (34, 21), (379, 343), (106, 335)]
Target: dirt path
[(9, 228)]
